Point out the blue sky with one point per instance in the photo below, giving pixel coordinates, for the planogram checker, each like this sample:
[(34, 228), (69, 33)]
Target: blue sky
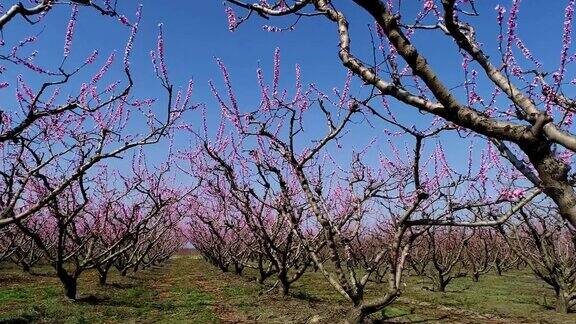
[(196, 32)]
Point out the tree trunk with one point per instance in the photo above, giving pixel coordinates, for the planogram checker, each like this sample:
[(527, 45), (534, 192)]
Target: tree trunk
[(103, 276), (355, 316), (223, 267), (284, 287), (71, 288), (562, 303), (498, 269), (263, 274), (441, 287), (238, 268), (475, 277), (69, 281), (440, 284), (70, 285)]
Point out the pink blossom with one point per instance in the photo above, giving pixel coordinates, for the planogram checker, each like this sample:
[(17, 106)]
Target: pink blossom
[(266, 104), (160, 49), (512, 194), (566, 42), (130, 43), (104, 68), (276, 79), (500, 10), (92, 57), (232, 21), (70, 30), (124, 20)]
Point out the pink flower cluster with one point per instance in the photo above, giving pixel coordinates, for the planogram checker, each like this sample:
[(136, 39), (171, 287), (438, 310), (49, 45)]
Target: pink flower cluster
[(70, 30), (92, 57), (130, 42), (104, 68), (558, 76), (124, 20), (160, 49), (512, 194), (232, 21)]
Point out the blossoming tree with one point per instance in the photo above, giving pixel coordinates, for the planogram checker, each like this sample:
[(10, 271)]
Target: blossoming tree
[(58, 131), (527, 115), (275, 188)]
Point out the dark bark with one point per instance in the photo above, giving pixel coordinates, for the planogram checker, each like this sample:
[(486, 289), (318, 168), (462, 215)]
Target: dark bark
[(475, 276), (498, 268), (562, 303), (70, 284), (356, 315), (362, 309), (441, 286), (103, 276), (284, 286), (238, 268)]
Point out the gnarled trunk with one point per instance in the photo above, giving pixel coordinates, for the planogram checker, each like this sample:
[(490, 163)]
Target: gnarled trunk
[(70, 284), (475, 276), (562, 303), (238, 268), (441, 283), (355, 316), (26, 267), (362, 309), (498, 268), (284, 286), (103, 276)]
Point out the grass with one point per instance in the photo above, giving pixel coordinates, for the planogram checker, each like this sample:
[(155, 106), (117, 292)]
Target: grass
[(515, 295), (188, 290), (145, 296)]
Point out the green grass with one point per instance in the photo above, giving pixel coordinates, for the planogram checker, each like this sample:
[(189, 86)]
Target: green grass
[(29, 298), (513, 295), (187, 290)]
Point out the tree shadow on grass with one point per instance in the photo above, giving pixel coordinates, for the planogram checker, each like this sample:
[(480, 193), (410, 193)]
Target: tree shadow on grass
[(463, 289), (93, 299), (162, 306), (29, 317), (305, 296), (448, 289), (120, 285), (550, 305), (394, 319), (13, 279), (46, 274)]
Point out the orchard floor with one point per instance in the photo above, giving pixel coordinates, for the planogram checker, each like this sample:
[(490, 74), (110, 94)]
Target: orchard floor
[(188, 290)]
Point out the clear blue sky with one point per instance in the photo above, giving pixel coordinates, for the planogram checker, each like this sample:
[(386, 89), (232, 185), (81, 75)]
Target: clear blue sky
[(196, 31)]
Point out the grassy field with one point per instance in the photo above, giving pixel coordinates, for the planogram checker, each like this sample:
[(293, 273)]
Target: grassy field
[(188, 290)]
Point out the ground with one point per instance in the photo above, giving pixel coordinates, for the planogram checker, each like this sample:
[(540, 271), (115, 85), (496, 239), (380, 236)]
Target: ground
[(189, 290)]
